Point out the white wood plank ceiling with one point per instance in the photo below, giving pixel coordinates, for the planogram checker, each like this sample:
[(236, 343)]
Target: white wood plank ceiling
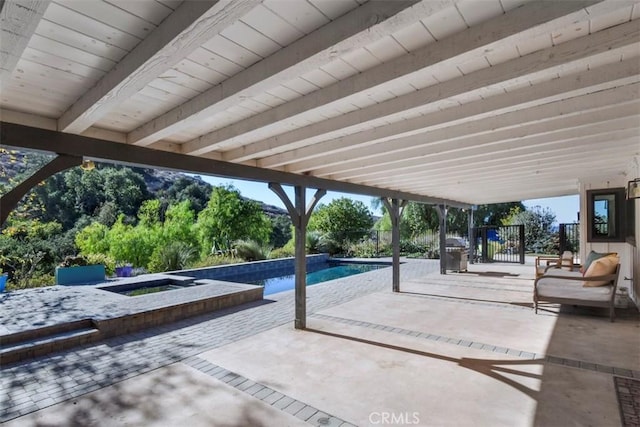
[(478, 101)]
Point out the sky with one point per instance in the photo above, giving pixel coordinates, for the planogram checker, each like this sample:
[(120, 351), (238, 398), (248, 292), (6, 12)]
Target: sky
[(565, 208)]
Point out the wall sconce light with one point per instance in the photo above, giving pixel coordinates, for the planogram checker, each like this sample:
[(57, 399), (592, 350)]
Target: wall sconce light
[(87, 165), (633, 189)]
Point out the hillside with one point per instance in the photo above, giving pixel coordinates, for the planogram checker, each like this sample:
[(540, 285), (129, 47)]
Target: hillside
[(17, 165)]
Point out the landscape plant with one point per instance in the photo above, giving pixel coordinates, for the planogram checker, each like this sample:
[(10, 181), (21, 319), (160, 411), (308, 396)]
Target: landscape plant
[(342, 220), (227, 218), (250, 250), (173, 256)]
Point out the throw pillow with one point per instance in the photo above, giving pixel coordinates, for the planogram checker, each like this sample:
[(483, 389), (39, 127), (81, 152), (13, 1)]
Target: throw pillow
[(601, 267), (592, 256)]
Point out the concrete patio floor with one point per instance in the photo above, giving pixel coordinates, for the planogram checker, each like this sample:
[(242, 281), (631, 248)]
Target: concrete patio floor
[(461, 349)]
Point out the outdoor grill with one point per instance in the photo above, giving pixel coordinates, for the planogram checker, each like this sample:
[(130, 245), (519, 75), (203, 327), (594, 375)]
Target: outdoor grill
[(456, 254)]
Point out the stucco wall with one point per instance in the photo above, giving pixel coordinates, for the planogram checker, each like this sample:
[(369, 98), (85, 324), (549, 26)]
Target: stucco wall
[(629, 255)]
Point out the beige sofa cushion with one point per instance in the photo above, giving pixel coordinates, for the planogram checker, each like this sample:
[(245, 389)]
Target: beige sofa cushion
[(568, 289), (601, 267), (592, 256)]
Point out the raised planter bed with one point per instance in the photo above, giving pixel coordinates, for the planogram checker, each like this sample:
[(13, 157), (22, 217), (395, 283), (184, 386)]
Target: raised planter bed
[(80, 275)]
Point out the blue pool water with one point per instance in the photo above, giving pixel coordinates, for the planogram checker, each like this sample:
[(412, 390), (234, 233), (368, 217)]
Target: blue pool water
[(281, 281)]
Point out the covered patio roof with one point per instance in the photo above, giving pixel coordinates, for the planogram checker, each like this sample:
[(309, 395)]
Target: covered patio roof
[(432, 99)]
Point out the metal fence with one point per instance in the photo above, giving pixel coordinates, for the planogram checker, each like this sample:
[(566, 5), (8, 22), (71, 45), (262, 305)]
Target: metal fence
[(498, 244), (569, 236), (427, 244)]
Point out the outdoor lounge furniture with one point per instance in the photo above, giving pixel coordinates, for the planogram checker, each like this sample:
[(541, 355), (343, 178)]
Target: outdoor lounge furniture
[(596, 288), (563, 261)]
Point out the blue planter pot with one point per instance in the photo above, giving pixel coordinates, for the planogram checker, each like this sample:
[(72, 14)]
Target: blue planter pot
[(79, 275), (124, 271)]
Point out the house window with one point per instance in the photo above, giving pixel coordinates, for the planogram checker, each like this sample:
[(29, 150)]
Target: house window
[(606, 214)]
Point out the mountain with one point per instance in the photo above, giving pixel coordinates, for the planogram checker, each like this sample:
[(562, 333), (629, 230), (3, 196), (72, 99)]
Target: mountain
[(17, 165), (161, 180)]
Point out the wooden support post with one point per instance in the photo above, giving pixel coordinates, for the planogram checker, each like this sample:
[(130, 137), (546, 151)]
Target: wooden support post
[(485, 244), (521, 241), (10, 200), (442, 214), (299, 213), (471, 236), (395, 208)]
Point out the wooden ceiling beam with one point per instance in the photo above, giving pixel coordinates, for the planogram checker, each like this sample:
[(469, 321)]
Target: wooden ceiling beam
[(558, 164), (507, 160), (19, 136), (516, 182), (527, 20), (597, 79), (19, 19), (442, 146), (543, 118), (558, 190), (413, 164), (525, 68), (185, 30), (353, 30)]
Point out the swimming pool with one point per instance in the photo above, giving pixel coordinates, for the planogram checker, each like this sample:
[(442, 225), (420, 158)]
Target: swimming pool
[(279, 280)]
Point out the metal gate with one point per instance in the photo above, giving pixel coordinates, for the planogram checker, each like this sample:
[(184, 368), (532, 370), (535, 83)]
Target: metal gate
[(498, 244), (569, 237)]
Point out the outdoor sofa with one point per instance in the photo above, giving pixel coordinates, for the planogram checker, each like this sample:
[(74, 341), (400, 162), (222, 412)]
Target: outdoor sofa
[(594, 286)]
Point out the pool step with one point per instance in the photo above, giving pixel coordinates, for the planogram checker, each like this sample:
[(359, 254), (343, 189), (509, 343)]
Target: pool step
[(38, 342)]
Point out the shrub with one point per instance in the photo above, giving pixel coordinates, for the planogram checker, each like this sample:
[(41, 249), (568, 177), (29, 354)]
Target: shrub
[(171, 257), (37, 280), (74, 261), (283, 252), (365, 249), (313, 242), (329, 245), (433, 254), (213, 260), (108, 262), (250, 250), (410, 247)]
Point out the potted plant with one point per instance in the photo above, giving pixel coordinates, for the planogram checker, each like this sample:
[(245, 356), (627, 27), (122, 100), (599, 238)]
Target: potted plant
[(75, 270), (3, 280), (124, 270), (622, 298)]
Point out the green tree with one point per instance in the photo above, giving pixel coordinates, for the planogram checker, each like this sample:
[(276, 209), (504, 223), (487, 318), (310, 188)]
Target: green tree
[(30, 249), (538, 227), (125, 188), (227, 218), (93, 239), (495, 213), (133, 244), (344, 220), (179, 224), (280, 231), (108, 214), (86, 189), (187, 189), (149, 213), (419, 218)]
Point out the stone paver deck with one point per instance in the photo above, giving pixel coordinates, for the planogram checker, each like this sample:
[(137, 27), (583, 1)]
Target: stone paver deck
[(461, 349), (42, 382)]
